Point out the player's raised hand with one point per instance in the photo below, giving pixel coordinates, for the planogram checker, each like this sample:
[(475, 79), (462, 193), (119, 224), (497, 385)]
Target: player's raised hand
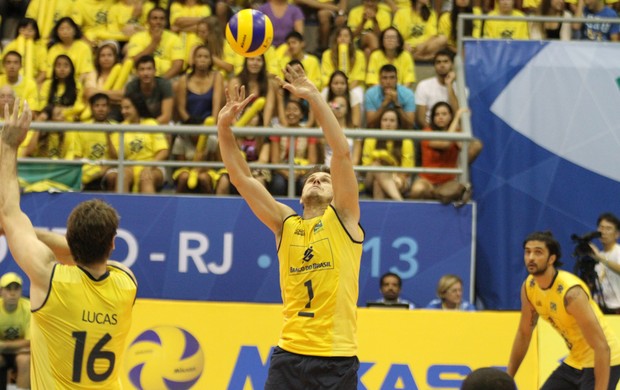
[(296, 82), (15, 125), (235, 104)]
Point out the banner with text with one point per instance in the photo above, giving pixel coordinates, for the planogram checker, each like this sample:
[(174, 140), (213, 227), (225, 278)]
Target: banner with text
[(215, 249)]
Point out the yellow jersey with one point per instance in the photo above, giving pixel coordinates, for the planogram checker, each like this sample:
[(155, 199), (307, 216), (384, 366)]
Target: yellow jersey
[(319, 277), (404, 63), (15, 325), (549, 304), (79, 334)]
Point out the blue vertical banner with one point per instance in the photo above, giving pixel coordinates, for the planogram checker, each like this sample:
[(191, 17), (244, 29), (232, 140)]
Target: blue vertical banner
[(547, 115), (215, 249)]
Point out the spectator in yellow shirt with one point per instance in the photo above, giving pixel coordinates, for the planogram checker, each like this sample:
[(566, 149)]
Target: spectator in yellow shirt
[(506, 29), (391, 51), (67, 39), (25, 87), (418, 26), (164, 45), (34, 64), (367, 21)]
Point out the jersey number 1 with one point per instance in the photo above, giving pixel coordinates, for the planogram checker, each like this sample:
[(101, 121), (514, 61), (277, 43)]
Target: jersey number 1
[(96, 353), (308, 285)]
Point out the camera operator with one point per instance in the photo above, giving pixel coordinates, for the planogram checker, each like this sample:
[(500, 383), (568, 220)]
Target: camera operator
[(608, 267)]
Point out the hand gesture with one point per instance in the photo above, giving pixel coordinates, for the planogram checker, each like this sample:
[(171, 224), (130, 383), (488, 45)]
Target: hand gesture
[(450, 77), (390, 95), (297, 82), (15, 126), (235, 104)]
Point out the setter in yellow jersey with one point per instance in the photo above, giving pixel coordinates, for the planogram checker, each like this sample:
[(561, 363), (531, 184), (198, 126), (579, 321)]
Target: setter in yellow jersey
[(319, 252)]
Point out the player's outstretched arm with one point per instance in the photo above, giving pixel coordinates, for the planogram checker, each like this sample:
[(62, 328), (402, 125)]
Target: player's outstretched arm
[(34, 257), (529, 319), (266, 208), (577, 304), (346, 191)]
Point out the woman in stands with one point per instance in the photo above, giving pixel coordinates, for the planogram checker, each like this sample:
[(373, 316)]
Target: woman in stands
[(418, 26), (256, 81), (443, 154), (139, 147), (67, 39), (386, 153), (343, 55), (339, 86), (63, 91), (391, 51), (27, 28), (450, 293)]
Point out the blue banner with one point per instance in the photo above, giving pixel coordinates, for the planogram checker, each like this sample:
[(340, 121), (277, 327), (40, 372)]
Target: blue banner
[(215, 249), (547, 115)]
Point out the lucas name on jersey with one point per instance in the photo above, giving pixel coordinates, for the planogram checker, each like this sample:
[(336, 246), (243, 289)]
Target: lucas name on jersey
[(99, 318)]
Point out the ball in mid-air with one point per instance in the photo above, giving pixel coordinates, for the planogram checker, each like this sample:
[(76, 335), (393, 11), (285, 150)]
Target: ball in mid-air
[(249, 32)]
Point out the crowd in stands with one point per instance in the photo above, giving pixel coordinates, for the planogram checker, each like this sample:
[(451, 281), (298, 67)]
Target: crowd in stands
[(167, 62)]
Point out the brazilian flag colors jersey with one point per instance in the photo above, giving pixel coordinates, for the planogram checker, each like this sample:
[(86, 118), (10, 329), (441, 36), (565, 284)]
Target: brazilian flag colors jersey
[(319, 277), (549, 303), (79, 333)]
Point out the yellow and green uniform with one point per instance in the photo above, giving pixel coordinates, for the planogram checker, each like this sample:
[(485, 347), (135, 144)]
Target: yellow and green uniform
[(370, 153), (549, 304), (404, 63), (92, 145), (170, 49), (15, 325), (413, 27), (355, 72), (39, 10), (319, 277), (504, 29), (84, 321), (92, 17), (39, 57), (356, 17)]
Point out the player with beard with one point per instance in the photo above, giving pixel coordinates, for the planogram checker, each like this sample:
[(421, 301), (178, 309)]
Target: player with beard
[(564, 300)]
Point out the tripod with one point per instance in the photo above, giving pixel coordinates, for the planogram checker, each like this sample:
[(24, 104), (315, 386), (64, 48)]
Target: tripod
[(584, 268)]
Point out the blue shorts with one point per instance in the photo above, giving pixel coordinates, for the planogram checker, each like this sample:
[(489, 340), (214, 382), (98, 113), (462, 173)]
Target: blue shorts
[(291, 371), (566, 377)]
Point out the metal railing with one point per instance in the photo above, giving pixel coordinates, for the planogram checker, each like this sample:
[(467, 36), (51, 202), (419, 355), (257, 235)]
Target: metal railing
[(121, 162)]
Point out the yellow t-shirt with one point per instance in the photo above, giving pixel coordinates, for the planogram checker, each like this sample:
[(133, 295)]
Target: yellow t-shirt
[(311, 64), (370, 153), (58, 146), (445, 26), (170, 49), (83, 320), (549, 304), (78, 106), (25, 89), (319, 277), (413, 28), (355, 72), (92, 17), (142, 146), (502, 29), (39, 57), (404, 63), (92, 145), (38, 10), (15, 325), (80, 53), (356, 16)]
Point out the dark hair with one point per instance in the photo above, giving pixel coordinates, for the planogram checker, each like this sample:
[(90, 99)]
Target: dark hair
[(444, 53), (334, 47), (12, 53), (315, 169), (70, 95), (397, 144), (388, 68), (98, 96), (401, 42), (139, 103), (300, 104), (98, 53), (330, 94), (262, 78), (425, 12), (193, 67), (468, 24), (25, 22), (67, 19), (91, 228), (488, 378), (294, 34), (553, 246), (392, 274), (145, 59), (434, 109), (609, 217)]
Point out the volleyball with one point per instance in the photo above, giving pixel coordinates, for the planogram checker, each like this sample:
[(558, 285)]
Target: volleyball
[(249, 32), (164, 357)]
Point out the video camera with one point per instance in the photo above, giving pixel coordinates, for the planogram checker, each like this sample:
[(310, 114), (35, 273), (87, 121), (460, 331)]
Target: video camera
[(584, 266)]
